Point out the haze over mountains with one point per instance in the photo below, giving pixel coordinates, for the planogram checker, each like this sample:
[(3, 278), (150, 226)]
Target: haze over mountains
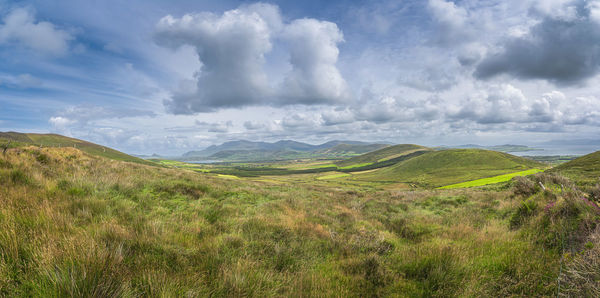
[(288, 149)]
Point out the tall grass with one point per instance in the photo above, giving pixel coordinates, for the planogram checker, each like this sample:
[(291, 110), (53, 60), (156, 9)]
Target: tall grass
[(76, 225)]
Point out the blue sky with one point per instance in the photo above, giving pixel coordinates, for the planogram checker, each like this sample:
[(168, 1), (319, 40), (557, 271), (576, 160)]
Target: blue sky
[(171, 76)]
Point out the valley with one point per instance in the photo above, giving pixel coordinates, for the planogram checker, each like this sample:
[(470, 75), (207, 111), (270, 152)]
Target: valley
[(401, 220)]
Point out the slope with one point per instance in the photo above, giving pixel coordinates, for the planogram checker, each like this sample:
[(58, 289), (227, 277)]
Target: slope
[(439, 168), (383, 154), (55, 140), (585, 169), (351, 149)]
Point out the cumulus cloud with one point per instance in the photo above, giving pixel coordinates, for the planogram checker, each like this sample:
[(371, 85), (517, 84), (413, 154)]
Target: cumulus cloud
[(254, 125), (336, 117), (564, 47), (60, 122), (451, 22), (314, 53), (20, 28), (219, 127), (494, 104), (232, 48), (299, 121)]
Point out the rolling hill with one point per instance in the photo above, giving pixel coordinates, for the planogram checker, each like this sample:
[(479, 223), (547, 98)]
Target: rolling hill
[(73, 224), (585, 169), (386, 153), (55, 140), (351, 149), (439, 168), (283, 145)]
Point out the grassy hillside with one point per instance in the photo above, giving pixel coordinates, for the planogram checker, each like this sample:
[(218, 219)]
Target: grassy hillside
[(54, 140), (439, 168), (351, 149), (585, 169), (79, 225), (383, 154)]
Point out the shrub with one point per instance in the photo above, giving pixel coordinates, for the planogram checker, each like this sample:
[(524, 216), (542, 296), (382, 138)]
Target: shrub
[(42, 158), (522, 186), (548, 179)]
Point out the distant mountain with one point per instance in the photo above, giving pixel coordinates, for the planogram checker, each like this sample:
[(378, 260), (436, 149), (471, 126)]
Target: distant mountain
[(235, 148)]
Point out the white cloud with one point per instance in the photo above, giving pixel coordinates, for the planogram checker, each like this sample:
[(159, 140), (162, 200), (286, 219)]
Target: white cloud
[(336, 117), (19, 27), (452, 21), (313, 49), (60, 121), (232, 48)]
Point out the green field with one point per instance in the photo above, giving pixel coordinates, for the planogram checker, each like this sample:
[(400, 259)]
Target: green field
[(491, 180), (355, 166), (333, 176), (445, 167), (381, 155)]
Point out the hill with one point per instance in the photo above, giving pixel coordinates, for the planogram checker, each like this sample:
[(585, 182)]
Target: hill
[(584, 169), (257, 155), (388, 152), (283, 145), (440, 168), (55, 140), (351, 149)]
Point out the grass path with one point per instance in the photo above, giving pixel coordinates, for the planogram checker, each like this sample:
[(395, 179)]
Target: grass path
[(490, 180)]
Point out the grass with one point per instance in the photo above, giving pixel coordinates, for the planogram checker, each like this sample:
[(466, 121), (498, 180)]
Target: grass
[(491, 180), (381, 154), (585, 169), (75, 224), (445, 167), (228, 176), (355, 166), (54, 140), (333, 176)]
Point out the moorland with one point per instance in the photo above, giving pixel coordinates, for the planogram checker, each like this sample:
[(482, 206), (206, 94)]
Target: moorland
[(353, 220)]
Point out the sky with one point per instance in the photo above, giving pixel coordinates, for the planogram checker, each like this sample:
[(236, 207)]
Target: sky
[(168, 77)]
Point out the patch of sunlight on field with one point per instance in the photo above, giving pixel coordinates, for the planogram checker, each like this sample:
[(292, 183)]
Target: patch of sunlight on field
[(333, 176), (329, 165), (490, 180), (364, 172), (227, 176), (356, 166)]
